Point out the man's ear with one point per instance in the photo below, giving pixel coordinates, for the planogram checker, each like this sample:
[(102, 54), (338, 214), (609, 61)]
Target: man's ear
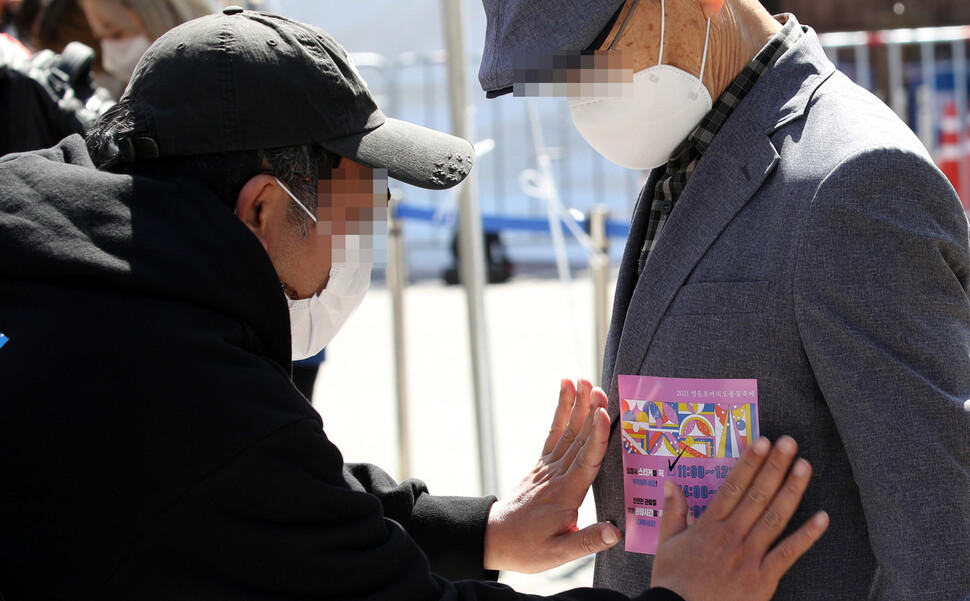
[(711, 7), (259, 207)]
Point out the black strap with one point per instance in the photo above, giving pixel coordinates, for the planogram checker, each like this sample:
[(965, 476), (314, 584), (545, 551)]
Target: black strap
[(136, 149)]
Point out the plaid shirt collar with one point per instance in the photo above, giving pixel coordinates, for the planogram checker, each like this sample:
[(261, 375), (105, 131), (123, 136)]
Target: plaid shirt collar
[(704, 133), (685, 158)]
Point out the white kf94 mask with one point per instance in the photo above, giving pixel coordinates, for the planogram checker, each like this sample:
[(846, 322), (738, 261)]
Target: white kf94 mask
[(640, 130), (316, 320), (120, 57)]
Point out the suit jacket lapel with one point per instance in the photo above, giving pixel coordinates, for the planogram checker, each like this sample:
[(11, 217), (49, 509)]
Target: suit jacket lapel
[(627, 279), (739, 160), (725, 179)]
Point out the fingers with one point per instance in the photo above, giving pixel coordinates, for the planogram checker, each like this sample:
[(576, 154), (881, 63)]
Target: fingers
[(774, 519), (732, 491), (765, 486), (784, 556), (577, 416), (674, 519), (583, 469), (591, 539), (567, 394), (596, 399)]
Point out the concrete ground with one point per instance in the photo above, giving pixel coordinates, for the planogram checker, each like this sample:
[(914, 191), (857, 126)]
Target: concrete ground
[(540, 330)]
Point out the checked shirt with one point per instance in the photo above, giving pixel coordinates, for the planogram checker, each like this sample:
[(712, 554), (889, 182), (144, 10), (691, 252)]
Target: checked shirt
[(684, 159)]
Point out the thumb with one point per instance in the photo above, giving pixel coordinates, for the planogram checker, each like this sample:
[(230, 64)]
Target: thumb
[(591, 539), (674, 518)]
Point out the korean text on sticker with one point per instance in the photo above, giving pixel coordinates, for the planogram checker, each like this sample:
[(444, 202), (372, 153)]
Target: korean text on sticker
[(690, 430)]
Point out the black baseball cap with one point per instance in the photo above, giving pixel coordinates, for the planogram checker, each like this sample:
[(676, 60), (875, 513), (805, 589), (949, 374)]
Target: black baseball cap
[(245, 80)]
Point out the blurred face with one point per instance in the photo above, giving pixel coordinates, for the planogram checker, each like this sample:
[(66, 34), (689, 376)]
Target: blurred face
[(351, 223), (352, 211), (109, 23), (122, 34)]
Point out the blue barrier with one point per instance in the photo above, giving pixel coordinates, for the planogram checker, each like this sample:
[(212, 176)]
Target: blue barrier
[(499, 223)]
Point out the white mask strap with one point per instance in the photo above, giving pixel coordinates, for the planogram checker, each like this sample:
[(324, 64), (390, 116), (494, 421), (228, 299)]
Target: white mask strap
[(707, 39), (298, 203), (663, 32)]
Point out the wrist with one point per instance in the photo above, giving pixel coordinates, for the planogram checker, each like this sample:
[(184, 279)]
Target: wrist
[(494, 554)]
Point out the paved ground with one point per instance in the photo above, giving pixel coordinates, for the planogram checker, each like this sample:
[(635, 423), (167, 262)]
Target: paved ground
[(539, 331)]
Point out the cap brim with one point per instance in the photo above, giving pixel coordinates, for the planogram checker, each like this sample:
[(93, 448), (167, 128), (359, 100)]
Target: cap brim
[(411, 153)]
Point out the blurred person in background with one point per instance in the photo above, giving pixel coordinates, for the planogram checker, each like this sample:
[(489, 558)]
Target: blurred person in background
[(46, 86), (126, 28), (60, 22)]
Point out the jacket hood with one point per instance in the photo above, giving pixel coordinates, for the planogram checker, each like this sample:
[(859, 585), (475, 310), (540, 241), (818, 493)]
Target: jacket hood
[(62, 221)]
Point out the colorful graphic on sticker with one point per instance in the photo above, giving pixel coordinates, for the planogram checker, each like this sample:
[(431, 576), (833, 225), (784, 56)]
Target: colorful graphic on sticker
[(3, 340), (690, 430)]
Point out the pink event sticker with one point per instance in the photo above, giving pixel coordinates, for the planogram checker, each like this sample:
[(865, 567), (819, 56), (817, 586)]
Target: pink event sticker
[(690, 430)]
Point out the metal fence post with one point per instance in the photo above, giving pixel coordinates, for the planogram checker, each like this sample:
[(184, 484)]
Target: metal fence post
[(599, 264), (396, 281), (897, 87), (960, 98), (471, 252)]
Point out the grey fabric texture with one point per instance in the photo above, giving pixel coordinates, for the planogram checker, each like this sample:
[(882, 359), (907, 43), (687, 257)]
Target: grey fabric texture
[(514, 27), (819, 250)]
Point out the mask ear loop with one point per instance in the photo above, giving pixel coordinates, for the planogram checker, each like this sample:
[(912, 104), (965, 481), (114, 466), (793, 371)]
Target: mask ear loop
[(296, 200), (707, 39), (655, 75)]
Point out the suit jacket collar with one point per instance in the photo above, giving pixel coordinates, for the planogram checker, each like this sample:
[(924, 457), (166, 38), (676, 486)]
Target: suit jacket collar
[(739, 160)]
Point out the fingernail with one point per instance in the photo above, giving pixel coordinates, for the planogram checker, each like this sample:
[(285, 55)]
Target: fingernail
[(786, 445), (610, 536), (669, 489), (761, 446), (801, 468), (821, 519)]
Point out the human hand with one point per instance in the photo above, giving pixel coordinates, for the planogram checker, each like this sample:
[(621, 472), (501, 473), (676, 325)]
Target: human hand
[(535, 529), (732, 539)]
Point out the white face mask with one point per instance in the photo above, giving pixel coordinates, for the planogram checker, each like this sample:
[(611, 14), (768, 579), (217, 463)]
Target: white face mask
[(316, 320), (119, 57), (641, 129)]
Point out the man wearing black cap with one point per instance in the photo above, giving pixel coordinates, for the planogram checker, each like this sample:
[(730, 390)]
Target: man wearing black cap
[(164, 288), (792, 231)]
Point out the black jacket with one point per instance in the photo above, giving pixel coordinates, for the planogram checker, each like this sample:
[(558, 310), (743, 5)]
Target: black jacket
[(151, 443)]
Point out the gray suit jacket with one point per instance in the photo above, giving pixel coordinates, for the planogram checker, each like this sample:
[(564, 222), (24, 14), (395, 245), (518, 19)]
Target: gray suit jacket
[(819, 250)]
